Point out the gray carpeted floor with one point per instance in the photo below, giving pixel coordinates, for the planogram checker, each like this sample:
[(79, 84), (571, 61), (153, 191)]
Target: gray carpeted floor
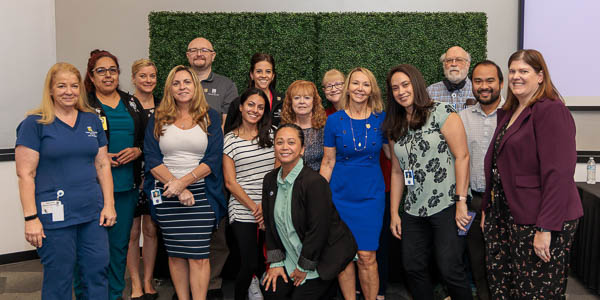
[(22, 281)]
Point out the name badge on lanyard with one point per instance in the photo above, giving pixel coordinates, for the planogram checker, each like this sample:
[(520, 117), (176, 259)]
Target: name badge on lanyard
[(156, 195), (104, 124), (409, 178), (56, 208)]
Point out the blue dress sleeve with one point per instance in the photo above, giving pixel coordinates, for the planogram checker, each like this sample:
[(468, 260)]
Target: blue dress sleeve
[(330, 128), (29, 133)]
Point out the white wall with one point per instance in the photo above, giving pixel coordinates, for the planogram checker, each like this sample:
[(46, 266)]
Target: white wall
[(28, 50)]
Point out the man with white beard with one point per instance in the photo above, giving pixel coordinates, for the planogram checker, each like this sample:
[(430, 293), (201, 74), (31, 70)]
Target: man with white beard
[(456, 88)]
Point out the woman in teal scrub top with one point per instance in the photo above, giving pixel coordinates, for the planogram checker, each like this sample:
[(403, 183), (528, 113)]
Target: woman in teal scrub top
[(124, 121), (65, 186)]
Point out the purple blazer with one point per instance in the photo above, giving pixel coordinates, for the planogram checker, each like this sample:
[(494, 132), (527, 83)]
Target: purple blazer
[(536, 161)]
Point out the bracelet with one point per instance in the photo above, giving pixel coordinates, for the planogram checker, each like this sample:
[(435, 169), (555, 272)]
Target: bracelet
[(32, 217), (540, 229), (195, 177)]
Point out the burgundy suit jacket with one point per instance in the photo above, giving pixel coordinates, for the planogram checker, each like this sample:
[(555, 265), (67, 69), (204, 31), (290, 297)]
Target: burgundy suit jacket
[(536, 161)]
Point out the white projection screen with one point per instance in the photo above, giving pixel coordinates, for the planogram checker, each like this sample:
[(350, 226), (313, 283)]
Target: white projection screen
[(567, 33)]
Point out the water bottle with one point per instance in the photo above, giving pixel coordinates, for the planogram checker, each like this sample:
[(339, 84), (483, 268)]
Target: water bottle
[(591, 171)]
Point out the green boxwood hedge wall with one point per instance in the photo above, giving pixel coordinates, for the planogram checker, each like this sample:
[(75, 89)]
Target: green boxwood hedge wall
[(305, 45)]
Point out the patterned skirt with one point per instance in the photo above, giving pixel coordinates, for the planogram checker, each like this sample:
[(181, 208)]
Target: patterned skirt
[(186, 230), (514, 271)]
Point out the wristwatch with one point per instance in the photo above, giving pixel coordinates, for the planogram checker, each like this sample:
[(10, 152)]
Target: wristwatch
[(457, 198), (32, 217)]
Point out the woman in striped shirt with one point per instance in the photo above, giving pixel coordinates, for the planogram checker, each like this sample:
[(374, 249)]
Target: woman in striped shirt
[(247, 157)]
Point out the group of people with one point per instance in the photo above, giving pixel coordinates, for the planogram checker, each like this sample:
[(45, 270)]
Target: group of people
[(309, 193)]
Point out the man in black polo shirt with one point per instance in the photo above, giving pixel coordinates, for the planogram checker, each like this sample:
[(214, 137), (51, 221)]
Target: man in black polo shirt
[(219, 91)]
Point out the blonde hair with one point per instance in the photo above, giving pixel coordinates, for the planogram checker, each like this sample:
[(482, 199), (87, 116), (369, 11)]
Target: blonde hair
[(331, 75), (303, 87), (375, 103), (46, 108), (166, 113), (141, 63)]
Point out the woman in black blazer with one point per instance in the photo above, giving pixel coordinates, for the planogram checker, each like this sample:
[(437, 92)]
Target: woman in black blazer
[(306, 239)]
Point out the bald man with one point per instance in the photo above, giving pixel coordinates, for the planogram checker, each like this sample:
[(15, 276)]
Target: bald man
[(456, 88), (219, 90)]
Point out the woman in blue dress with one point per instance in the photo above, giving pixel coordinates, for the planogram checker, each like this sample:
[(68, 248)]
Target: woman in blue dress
[(66, 187), (353, 140)]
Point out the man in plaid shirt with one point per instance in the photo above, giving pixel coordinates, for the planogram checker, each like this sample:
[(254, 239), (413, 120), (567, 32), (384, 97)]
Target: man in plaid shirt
[(456, 88)]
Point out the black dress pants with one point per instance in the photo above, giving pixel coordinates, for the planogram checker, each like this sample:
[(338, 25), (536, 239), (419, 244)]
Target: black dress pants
[(313, 289), (434, 235)]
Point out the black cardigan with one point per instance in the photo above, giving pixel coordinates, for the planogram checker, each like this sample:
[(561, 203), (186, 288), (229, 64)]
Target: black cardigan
[(327, 243), (136, 110)]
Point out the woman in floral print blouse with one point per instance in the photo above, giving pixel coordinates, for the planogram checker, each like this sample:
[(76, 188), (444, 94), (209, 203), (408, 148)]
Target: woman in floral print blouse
[(432, 162)]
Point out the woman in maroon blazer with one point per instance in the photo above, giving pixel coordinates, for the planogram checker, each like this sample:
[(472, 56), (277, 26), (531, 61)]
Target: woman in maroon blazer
[(531, 204)]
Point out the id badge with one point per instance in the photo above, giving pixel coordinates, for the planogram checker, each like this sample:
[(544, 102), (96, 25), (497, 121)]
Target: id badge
[(156, 196), (59, 213), (409, 178), (48, 207), (104, 124)]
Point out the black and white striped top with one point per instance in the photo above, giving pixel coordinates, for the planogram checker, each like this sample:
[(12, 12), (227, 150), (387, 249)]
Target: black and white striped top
[(251, 165)]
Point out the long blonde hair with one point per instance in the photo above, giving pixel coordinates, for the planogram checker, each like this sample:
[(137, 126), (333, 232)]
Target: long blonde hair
[(166, 113), (46, 108), (375, 103)]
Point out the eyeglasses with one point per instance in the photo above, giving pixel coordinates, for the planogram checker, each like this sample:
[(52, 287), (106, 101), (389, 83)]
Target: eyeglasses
[(201, 50), (458, 60), (111, 71), (337, 85)]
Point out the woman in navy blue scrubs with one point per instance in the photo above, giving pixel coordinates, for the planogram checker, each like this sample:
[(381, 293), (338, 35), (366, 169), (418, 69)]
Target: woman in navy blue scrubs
[(66, 186), (124, 120)]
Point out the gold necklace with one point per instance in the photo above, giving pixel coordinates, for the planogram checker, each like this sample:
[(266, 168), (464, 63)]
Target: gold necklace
[(367, 126)]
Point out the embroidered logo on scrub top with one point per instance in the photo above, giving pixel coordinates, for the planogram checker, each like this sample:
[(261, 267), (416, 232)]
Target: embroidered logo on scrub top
[(90, 132)]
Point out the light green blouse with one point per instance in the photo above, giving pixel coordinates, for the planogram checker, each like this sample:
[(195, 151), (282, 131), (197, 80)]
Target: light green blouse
[(285, 228), (426, 153)]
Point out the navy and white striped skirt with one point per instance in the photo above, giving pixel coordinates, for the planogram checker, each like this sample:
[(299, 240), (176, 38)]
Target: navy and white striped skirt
[(186, 230)]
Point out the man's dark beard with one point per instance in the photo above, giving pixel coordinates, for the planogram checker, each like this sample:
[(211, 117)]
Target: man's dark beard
[(495, 95)]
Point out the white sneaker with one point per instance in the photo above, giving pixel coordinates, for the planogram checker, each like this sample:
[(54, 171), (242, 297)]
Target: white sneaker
[(254, 292)]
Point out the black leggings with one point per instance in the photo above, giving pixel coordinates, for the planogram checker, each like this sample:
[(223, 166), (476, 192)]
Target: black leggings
[(252, 262)]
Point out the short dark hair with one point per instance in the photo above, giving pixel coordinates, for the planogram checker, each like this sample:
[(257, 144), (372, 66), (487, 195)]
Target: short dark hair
[(294, 126), (488, 62)]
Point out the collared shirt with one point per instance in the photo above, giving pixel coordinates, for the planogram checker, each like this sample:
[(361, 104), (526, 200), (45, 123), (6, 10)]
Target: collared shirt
[(283, 222), (458, 98), (219, 91), (480, 129)]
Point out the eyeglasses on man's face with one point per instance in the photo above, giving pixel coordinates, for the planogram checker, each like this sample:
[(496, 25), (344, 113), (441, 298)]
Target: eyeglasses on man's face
[(457, 60), (200, 50)]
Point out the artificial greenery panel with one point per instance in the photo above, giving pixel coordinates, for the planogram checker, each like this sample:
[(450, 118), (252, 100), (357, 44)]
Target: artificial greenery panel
[(305, 45)]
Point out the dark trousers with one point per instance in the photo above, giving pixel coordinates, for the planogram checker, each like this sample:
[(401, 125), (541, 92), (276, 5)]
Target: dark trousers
[(313, 289), (83, 244), (250, 246), (218, 255), (476, 250), (437, 235)]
